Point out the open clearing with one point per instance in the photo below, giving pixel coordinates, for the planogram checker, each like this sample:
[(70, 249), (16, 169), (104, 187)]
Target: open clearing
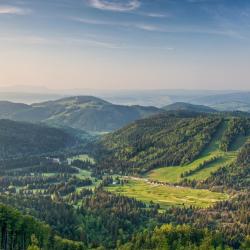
[(167, 195)]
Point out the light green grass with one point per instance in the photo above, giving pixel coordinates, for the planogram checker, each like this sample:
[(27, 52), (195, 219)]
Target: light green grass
[(83, 174), (167, 195), (213, 146), (212, 167), (172, 174)]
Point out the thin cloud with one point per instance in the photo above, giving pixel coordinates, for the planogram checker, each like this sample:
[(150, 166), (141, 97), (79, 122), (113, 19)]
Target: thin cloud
[(13, 10), (161, 29), (52, 41), (156, 15), (119, 6)]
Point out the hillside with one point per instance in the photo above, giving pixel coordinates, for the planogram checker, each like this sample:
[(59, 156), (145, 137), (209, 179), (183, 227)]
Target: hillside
[(182, 143), (183, 106), (83, 112), (159, 141), (9, 109), (237, 175), (24, 139)]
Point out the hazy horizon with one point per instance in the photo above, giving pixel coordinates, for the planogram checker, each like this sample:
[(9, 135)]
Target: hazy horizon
[(132, 44)]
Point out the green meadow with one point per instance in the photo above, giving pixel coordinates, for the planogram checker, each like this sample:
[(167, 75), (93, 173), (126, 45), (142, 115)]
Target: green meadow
[(167, 196)]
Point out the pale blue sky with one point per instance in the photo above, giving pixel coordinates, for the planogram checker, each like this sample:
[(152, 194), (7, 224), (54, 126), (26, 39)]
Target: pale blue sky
[(116, 44)]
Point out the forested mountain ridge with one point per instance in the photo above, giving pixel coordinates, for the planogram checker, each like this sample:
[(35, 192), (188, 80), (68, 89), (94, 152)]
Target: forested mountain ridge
[(161, 140), (79, 202), (20, 139), (182, 106), (172, 139), (81, 112)]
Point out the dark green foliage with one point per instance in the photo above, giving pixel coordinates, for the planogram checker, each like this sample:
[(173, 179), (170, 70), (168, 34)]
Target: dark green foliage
[(236, 126), (236, 176), (163, 140), (109, 220), (168, 237), (200, 167), (20, 232), (23, 139), (102, 219)]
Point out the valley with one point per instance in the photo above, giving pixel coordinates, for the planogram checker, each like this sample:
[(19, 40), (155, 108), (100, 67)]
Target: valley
[(125, 125), (121, 175)]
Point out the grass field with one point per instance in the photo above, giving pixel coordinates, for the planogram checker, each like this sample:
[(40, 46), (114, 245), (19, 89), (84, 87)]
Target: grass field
[(172, 174), (167, 195)]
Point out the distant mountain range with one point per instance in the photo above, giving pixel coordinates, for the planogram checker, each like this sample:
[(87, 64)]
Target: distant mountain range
[(94, 114), (182, 106), (80, 112), (226, 102)]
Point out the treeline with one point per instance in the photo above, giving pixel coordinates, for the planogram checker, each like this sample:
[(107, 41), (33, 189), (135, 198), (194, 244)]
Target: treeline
[(235, 176), (159, 141), (177, 238), (104, 219), (200, 167), (236, 126), (20, 232), (86, 165), (68, 187)]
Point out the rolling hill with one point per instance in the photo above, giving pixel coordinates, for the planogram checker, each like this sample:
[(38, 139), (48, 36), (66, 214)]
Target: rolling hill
[(81, 112), (184, 145), (164, 139), (20, 139), (183, 106), (9, 109)]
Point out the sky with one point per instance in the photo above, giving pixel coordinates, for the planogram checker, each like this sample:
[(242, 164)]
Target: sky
[(125, 44)]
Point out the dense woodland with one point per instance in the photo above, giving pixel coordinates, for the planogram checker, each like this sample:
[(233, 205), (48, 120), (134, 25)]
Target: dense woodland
[(236, 176), (19, 140), (165, 140), (236, 126), (49, 202)]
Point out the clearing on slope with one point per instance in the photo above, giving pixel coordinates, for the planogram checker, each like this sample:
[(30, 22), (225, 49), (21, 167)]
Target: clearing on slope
[(212, 158)]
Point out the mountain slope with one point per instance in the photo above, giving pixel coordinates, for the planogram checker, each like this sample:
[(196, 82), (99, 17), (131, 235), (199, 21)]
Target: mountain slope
[(8, 109), (188, 107), (162, 140), (85, 113), (23, 139), (179, 146), (237, 175)]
